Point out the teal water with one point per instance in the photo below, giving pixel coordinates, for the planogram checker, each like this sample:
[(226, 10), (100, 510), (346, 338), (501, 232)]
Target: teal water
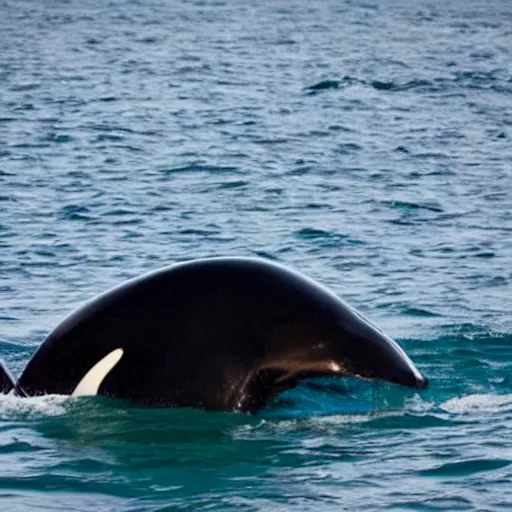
[(366, 144)]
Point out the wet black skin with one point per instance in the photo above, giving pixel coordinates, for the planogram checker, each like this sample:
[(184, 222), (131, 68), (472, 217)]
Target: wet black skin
[(220, 334), (6, 381)]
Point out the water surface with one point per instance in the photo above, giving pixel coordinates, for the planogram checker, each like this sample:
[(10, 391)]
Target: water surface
[(366, 144)]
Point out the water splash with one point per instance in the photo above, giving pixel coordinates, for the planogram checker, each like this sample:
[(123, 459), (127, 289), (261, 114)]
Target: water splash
[(479, 404), (14, 408)]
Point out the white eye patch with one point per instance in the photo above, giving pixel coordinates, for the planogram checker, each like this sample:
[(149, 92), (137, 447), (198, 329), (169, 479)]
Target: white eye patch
[(92, 380)]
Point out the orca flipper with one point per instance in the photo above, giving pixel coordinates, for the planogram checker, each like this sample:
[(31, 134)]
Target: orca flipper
[(7, 383)]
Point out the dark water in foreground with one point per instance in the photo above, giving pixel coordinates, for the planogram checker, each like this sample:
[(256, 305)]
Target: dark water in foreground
[(367, 144)]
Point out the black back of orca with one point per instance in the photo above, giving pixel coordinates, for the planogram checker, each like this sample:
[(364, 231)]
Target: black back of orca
[(221, 334), (6, 381)]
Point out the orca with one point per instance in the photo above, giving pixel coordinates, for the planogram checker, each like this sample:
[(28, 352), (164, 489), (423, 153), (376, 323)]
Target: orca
[(224, 334)]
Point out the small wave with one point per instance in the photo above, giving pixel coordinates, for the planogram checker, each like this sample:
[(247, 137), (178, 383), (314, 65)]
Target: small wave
[(314, 234), (323, 85), (329, 84), (407, 206), (379, 85), (14, 408), (323, 238), (466, 467), (74, 212), (349, 419), (393, 86), (440, 84), (200, 168), (233, 184), (420, 312), (479, 403), (311, 424)]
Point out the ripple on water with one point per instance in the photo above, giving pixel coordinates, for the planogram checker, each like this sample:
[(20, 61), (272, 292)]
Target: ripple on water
[(367, 145), (75, 213), (466, 467), (201, 168)]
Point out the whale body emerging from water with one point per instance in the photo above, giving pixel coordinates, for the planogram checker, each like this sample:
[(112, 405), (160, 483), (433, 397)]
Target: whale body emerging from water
[(221, 334)]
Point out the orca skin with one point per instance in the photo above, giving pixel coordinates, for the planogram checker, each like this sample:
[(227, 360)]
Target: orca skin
[(221, 334), (6, 381)]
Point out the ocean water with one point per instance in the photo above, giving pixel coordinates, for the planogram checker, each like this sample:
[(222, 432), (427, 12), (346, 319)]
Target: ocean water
[(366, 144)]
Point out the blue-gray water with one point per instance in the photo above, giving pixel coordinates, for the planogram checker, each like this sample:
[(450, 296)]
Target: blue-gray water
[(367, 144)]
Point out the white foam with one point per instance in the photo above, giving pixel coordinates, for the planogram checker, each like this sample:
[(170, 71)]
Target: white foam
[(316, 423), (479, 403), (14, 408)]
